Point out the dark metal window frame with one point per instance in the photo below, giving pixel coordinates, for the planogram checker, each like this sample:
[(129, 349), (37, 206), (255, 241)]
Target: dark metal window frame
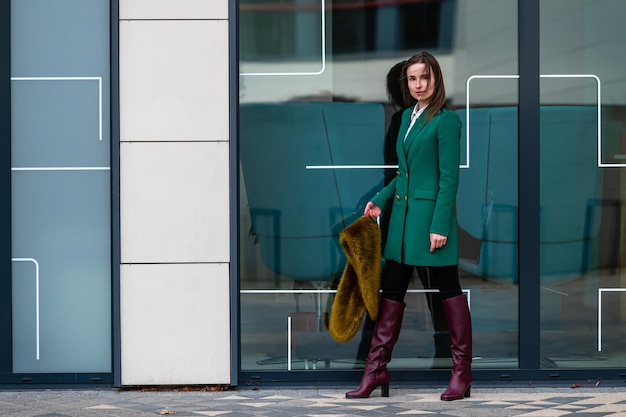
[(233, 123), (529, 236), (6, 350), (9, 379)]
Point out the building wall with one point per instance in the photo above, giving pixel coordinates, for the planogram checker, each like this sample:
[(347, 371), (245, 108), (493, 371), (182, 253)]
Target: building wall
[(174, 192)]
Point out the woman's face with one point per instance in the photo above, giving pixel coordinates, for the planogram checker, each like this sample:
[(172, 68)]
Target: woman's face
[(421, 85)]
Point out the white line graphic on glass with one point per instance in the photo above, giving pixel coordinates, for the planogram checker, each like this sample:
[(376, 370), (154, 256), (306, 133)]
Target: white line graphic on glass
[(321, 291), (34, 261), (467, 122), (323, 54), (99, 80), (513, 76), (600, 291), (61, 169)]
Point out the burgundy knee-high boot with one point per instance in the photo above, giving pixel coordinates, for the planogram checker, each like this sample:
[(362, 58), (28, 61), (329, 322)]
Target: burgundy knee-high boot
[(384, 338), (460, 327)]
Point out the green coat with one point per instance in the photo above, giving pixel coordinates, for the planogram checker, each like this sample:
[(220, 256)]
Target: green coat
[(422, 195)]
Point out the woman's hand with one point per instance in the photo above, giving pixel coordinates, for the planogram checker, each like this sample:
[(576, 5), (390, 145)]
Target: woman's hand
[(372, 209), (437, 241)]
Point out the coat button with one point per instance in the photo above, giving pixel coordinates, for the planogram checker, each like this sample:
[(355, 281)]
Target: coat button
[(398, 197), (398, 173), (406, 198)]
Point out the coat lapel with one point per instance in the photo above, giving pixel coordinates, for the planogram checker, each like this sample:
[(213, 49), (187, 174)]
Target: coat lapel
[(400, 145), (415, 130)]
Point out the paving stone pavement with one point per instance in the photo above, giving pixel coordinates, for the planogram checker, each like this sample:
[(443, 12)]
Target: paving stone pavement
[(314, 402)]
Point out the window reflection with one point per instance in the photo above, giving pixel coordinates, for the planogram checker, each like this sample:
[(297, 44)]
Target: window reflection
[(290, 30), (582, 198), (299, 121)]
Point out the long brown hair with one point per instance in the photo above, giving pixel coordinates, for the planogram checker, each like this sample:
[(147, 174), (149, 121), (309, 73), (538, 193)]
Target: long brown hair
[(438, 99)]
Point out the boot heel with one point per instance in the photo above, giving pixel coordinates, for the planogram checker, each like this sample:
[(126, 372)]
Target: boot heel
[(385, 336), (384, 390), (468, 391)]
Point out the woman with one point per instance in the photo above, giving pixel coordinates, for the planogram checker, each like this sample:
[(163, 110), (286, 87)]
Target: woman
[(422, 229)]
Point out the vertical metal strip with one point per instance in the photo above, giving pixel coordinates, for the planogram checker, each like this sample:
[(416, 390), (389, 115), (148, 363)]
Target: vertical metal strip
[(115, 194), (529, 185), (6, 319), (233, 58)]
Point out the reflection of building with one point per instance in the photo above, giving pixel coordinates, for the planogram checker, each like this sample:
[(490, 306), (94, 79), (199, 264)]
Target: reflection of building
[(158, 297)]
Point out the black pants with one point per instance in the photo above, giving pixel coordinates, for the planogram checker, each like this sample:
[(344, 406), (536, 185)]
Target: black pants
[(396, 278), (395, 282)]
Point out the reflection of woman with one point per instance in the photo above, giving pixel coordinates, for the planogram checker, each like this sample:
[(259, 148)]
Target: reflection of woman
[(422, 228), (394, 93)]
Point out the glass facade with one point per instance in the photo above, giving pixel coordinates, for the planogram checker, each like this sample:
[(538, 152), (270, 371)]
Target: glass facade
[(314, 121), (314, 113)]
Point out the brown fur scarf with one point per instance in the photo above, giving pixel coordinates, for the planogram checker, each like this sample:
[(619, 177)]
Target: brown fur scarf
[(360, 282)]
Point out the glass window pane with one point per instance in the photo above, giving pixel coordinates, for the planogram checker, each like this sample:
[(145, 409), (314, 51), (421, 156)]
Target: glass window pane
[(583, 91), (60, 183), (314, 113)]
